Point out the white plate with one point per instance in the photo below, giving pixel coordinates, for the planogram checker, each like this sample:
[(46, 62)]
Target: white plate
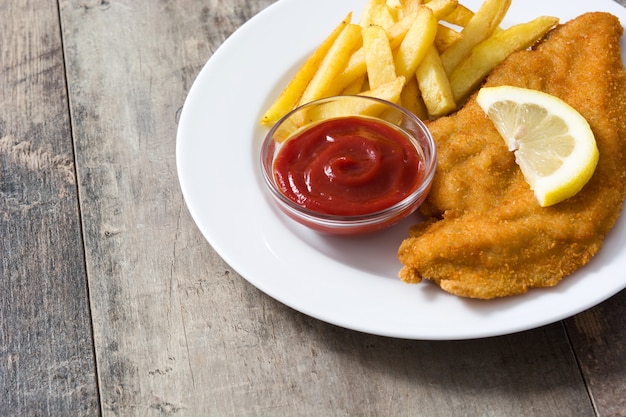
[(348, 282)]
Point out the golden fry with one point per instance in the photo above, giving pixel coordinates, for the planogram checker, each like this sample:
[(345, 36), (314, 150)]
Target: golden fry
[(479, 28), (356, 86), (398, 30), (442, 8), (366, 13), (434, 85), (460, 16), (355, 68), (409, 41), (390, 92), (382, 15), (333, 63), (396, 4), (408, 7), (411, 99), (491, 52), (416, 42), (378, 56), (290, 96), (446, 37)]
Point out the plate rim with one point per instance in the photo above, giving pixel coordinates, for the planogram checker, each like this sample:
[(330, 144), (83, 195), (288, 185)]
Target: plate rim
[(186, 118)]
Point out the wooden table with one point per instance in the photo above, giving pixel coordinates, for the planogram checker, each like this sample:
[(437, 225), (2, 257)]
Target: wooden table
[(111, 301)]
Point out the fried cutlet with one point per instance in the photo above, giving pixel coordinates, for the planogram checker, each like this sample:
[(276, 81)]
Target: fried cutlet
[(486, 235)]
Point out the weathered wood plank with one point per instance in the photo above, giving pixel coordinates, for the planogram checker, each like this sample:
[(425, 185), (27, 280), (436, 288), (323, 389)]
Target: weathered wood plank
[(176, 330), (47, 364), (130, 65), (599, 339)]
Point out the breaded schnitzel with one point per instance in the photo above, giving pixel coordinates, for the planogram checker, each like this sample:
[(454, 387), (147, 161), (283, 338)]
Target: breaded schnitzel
[(486, 236)]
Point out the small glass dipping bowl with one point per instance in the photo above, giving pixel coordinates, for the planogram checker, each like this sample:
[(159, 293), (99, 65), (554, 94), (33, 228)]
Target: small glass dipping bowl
[(308, 115)]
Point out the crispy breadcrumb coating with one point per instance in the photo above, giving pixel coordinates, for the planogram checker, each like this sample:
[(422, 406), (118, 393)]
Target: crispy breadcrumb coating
[(486, 236)]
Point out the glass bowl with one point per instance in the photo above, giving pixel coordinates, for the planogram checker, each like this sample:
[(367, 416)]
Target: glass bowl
[(414, 146)]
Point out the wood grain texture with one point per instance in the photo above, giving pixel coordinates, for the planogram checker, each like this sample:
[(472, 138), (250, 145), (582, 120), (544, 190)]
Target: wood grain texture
[(47, 364), (177, 331), (598, 338), (129, 66)]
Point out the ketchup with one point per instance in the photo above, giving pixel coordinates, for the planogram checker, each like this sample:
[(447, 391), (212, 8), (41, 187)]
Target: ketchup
[(348, 166)]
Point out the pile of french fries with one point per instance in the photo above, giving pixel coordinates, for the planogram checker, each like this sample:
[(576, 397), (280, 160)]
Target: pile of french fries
[(426, 55)]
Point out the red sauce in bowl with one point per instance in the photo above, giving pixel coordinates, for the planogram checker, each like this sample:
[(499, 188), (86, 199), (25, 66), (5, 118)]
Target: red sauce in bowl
[(348, 166)]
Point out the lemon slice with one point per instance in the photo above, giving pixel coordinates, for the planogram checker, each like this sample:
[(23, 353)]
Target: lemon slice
[(553, 144)]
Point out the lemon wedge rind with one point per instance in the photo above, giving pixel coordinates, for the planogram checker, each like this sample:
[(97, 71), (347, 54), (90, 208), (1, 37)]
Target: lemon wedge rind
[(554, 145)]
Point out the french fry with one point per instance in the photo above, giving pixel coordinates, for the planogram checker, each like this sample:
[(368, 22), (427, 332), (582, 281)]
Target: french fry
[(460, 16), (409, 52), (365, 15), (382, 15), (390, 92), (354, 69), (416, 42), (411, 99), (356, 86), (356, 66), (395, 4), (333, 63), (446, 37), (378, 56), (491, 52), (434, 85), (442, 8), (288, 128), (479, 28), (408, 7), (398, 30), (291, 94)]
